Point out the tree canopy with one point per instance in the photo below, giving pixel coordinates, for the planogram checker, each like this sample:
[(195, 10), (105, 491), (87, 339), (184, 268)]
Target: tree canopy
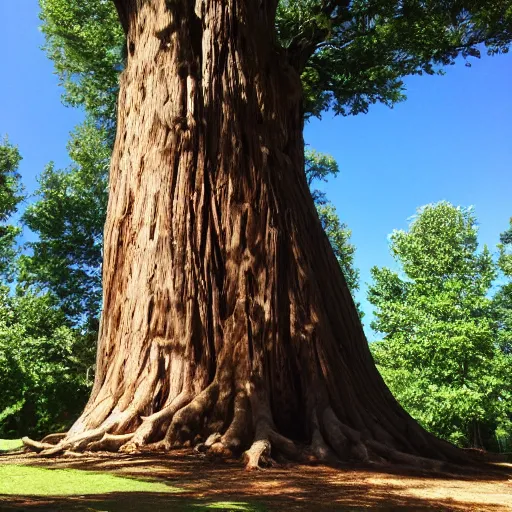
[(355, 53), (350, 54)]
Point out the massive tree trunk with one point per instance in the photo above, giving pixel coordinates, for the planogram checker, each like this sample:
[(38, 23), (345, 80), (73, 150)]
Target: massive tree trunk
[(226, 319)]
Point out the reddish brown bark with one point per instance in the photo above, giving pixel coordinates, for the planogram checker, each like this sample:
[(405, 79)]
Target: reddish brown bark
[(226, 318)]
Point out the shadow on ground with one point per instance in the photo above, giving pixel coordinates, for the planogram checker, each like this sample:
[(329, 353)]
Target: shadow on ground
[(208, 484)]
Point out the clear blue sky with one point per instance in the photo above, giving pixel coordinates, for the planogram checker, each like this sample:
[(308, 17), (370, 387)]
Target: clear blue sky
[(451, 140)]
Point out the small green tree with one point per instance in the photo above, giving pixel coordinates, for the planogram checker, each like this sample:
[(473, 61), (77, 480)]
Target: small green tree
[(439, 354), (43, 380), (502, 311)]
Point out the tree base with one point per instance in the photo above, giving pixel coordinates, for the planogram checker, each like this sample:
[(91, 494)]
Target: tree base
[(251, 433)]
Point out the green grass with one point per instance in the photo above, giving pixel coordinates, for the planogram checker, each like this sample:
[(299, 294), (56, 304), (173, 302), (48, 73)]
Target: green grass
[(10, 444), (105, 492), (32, 481)]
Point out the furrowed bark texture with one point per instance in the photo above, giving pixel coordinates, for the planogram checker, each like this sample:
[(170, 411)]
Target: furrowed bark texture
[(227, 321)]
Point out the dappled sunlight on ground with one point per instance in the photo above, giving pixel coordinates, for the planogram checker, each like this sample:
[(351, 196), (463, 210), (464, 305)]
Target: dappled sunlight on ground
[(207, 482)]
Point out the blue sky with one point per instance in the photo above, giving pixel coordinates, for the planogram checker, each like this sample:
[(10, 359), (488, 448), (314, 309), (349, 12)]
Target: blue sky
[(451, 140)]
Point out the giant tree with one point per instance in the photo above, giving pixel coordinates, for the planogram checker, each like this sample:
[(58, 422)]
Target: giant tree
[(68, 215), (225, 315)]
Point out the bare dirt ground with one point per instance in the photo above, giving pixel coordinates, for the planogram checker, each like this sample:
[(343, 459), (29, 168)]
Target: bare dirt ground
[(281, 488)]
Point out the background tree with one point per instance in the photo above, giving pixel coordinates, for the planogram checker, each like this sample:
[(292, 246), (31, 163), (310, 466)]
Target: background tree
[(502, 309), (68, 217), (42, 380), (10, 197), (440, 356), (503, 297), (225, 312), (42, 376), (86, 43)]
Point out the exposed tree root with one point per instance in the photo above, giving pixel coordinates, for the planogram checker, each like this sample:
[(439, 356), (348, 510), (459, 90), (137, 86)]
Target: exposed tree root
[(319, 448), (331, 440), (77, 443), (110, 442), (54, 438), (257, 454), (240, 427), (36, 446), (150, 424), (415, 461), (345, 441), (73, 455), (189, 420)]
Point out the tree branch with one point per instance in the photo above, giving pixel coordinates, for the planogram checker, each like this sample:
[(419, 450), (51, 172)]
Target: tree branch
[(303, 45), (123, 7)]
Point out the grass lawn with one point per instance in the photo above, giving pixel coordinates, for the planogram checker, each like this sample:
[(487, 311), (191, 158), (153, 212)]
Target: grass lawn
[(34, 481), (87, 490), (10, 444)]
